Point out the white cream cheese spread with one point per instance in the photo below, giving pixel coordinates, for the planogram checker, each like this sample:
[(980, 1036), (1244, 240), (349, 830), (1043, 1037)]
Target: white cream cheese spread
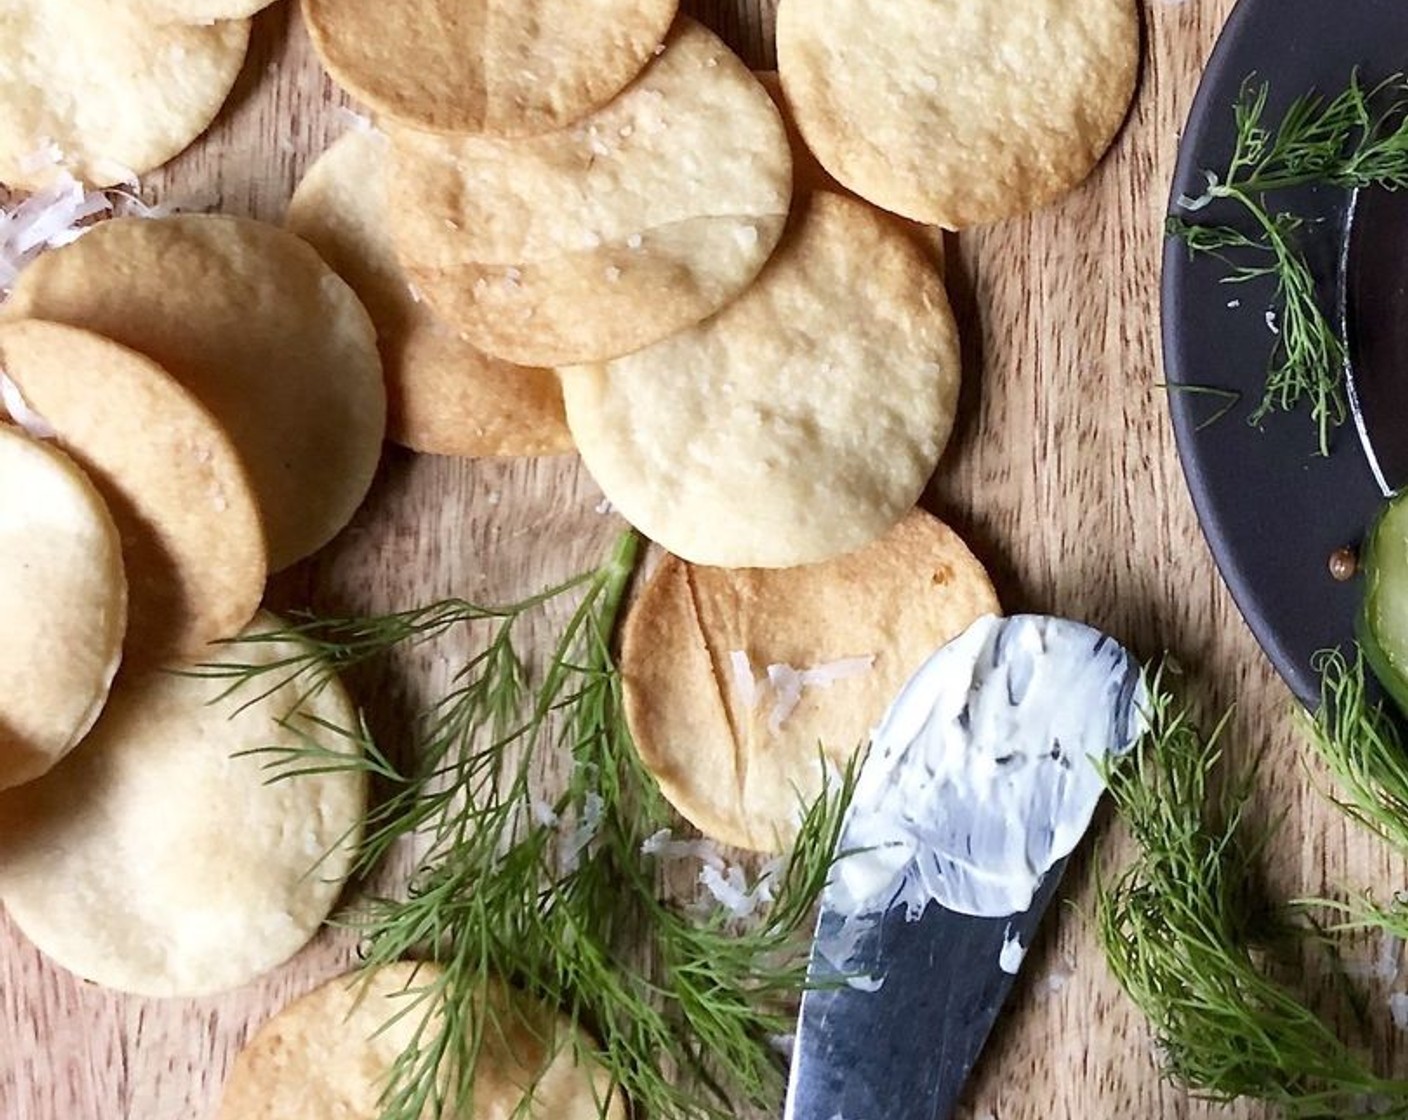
[(987, 768)]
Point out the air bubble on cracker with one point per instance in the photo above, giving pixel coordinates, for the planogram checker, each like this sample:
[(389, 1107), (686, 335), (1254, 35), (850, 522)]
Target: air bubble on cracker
[(746, 236), (613, 274), (635, 241)]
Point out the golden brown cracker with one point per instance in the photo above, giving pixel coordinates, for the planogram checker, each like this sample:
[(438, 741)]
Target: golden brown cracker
[(801, 422), (956, 113), (100, 89), (596, 240), (63, 600), (492, 67), (808, 175), (742, 768), (192, 539), (443, 396), (329, 1055), (184, 869), (263, 333)]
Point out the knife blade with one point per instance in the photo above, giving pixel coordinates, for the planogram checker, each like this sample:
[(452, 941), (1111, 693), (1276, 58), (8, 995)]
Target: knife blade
[(979, 782), (1373, 293), (945, 991)]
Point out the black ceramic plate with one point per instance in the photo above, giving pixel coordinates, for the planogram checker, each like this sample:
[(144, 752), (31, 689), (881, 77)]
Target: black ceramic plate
[(1272, 509)]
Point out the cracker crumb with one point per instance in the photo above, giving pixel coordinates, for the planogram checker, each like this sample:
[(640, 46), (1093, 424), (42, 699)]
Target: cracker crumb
[(626, 130), (746, 236), (613, 274), (635, 241), (659, 49)]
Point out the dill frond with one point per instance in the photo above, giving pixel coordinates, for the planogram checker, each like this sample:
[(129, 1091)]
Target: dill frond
[(1361, 745), (557, 895), (1356, 139), (1176, 932)]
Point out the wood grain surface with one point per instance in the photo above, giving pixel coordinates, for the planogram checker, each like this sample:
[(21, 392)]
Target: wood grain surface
[(1062, 475)]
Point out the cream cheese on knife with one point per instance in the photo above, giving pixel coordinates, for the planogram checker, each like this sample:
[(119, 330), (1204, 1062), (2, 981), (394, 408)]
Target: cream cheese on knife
[(986, 770)]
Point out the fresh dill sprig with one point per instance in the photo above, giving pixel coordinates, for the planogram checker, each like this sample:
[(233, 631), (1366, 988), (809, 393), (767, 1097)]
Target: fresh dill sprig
[(1177, 934), (1356, 139), (1361, 746), (558, 895)]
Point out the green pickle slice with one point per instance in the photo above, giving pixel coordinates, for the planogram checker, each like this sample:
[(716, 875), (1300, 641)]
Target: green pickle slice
[(1382, 626)]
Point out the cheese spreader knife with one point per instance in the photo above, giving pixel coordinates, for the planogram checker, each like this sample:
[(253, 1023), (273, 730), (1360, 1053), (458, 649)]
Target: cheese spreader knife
[(980, 781), (1373, 293)]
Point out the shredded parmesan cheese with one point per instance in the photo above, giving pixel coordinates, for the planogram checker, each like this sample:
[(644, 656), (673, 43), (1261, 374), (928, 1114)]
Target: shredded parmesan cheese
[(20, 412), (787, 694), (581, 837), (726, 883), (46, 219), (61, 212), (788, 683)]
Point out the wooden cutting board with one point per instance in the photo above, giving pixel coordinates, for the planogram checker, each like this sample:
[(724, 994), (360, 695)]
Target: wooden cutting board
[(1062, 475)]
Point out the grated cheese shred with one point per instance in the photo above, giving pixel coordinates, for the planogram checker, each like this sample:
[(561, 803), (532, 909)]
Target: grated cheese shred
[(787, 684)]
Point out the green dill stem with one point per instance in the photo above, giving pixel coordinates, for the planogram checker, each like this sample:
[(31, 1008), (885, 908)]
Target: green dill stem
[(1356, 139), (559, 899), (1176, 934), (1361, 746)]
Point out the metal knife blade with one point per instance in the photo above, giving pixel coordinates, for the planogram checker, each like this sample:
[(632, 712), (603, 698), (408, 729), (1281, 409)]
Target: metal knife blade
[(908, 1055), (982, 777), (1373, 299)]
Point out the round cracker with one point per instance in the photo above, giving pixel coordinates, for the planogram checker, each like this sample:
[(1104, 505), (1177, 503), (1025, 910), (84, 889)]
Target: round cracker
[(597, 240), (329, 1055), (443, 396), (958, 113), (250, 320), (192, 541), (485, 66), (801, 422), (106, 89), (64, 601), (736, 770), (185, 870), (808, 175), (199, 11)]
